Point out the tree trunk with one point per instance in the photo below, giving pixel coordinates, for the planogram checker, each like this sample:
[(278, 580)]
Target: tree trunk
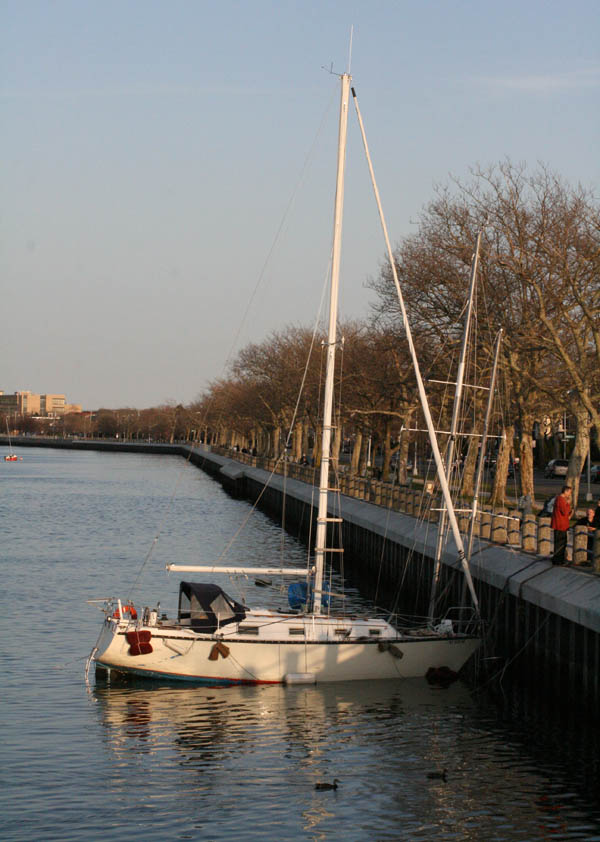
[(387, 451), (364, 453), (305, 437), (579, 452), (499, 489), (297, 440), (275, 442), (336, 443), (263, 445), (356, 452), (317, 448), (403, 452), (526, 458), (468, 483)]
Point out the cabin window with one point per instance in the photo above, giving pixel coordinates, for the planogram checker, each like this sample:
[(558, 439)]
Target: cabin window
[(221, 609), (297, 630), (197, 612), (374, 632), (248, 630), (190, 609), (343, 632)]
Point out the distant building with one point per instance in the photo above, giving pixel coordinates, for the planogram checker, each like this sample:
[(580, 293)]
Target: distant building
[(28, 403), (52, 404)]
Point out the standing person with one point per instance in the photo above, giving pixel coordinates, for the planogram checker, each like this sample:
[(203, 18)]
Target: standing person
[(597, 515), (561, 516), (588, 521)]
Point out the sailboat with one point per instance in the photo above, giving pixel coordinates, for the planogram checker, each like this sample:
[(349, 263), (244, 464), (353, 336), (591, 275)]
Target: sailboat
[(10, 456), (216, 640)]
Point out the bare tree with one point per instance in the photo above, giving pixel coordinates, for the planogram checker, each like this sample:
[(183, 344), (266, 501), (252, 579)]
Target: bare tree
[(539, 268)]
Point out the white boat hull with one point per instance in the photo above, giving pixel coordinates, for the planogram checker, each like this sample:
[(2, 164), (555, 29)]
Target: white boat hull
[(234, 657)]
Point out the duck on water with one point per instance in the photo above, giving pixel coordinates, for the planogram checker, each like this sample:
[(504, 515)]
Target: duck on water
[(324, 786)]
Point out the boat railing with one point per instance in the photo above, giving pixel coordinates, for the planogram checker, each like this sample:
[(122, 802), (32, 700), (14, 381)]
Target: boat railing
[(463, 619)]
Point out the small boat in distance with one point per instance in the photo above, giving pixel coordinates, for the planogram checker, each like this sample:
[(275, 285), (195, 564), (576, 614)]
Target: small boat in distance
[(216, 640), (10, 456)]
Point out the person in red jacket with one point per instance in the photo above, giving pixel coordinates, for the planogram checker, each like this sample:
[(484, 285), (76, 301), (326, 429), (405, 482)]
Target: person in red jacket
[(561, 516)]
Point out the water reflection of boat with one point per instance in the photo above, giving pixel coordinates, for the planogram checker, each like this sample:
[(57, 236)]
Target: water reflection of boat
[(203, 722), (242, 757)]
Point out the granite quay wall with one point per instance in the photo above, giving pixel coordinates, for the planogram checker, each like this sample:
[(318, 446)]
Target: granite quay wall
[(542, 622)]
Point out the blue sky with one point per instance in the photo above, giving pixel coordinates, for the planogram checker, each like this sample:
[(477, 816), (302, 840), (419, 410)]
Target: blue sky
[(168, 167)]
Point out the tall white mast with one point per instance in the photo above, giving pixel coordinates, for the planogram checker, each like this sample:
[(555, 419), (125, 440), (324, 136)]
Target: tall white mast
[(322, 519)]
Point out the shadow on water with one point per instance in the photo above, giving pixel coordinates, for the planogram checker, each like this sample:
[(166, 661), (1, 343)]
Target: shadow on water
[(562, 735)]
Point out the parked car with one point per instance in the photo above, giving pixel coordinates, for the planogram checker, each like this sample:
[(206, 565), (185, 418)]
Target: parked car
[(595, 473), (556, 468)]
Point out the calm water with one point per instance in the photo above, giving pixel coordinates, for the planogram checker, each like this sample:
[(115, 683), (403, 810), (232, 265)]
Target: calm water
[(169, 763)]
